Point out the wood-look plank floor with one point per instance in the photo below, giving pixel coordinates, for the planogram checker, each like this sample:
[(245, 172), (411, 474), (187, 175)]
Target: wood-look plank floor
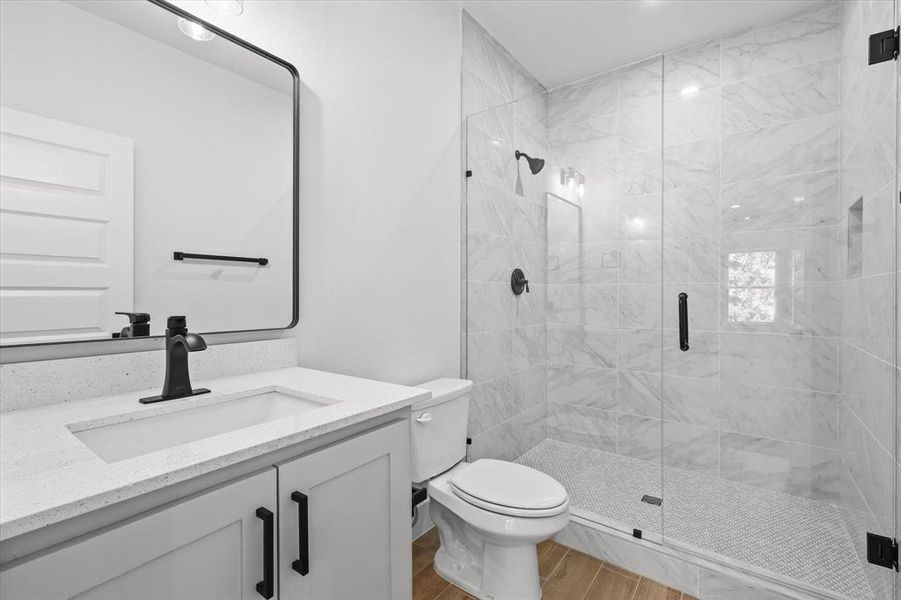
[(566, 574)]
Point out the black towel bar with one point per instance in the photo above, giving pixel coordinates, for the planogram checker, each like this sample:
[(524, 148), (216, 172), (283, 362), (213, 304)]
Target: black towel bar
[(177, 255)]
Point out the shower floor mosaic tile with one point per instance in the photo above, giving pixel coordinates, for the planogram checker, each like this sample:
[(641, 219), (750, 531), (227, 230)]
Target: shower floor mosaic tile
[(788, 535)]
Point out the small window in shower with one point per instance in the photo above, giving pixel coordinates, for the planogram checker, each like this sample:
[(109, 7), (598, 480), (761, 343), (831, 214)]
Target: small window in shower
[(855, 238), (752, 286)]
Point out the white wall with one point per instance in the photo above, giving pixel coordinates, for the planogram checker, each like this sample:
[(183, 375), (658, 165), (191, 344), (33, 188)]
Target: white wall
[(380, 180)]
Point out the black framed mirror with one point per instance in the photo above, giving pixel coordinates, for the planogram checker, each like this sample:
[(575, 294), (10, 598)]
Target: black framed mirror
[(149, 166)]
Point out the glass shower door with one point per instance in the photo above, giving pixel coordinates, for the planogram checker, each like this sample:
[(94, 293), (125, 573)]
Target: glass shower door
[(780, 228)]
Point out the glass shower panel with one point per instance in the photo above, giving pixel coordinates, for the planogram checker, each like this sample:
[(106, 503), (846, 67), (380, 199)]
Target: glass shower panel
[(505, 228), (779, 226), (603, 266)]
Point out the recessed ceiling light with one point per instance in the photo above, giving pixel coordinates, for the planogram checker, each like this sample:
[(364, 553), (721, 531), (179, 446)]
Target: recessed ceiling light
[(735, 206), (689, 90), (231, 8), (195, 31)]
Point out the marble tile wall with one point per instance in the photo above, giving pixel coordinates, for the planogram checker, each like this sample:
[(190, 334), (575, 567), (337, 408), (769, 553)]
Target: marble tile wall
[(715, 169), (604, 266), (868, 374), (505, 218)]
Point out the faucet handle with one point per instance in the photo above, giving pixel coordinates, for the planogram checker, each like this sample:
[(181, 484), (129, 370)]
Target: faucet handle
[(176, 325)]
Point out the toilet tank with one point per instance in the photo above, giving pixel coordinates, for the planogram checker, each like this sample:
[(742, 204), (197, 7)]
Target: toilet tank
[(438, 428)]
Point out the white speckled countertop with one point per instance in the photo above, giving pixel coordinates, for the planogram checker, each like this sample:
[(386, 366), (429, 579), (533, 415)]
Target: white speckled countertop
[(48, 475)]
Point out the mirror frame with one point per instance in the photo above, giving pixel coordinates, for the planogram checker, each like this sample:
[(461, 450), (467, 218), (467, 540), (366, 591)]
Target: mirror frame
[(295, 177)]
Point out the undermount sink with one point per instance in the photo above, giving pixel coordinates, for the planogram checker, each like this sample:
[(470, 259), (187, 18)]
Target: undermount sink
[(142, 435)]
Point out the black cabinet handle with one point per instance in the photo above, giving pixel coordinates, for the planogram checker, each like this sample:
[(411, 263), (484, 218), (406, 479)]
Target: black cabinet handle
[(683, 322), (266, 588), (302, 564)]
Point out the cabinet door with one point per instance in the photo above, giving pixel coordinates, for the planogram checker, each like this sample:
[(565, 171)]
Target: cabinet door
[(207, 547), (357, 509)]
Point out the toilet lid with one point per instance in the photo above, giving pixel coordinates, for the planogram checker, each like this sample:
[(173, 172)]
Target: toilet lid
[(506, 484)]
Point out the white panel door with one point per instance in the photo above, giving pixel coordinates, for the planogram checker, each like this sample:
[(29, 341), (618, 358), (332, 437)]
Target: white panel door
[(209, 547), (357, 496), (66, 230)]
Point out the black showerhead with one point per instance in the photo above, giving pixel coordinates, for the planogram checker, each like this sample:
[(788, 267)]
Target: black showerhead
[(535, 164)]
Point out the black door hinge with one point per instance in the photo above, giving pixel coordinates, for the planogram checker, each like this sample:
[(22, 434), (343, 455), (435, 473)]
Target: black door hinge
[(469, 173), (882, 551), (885, 45)]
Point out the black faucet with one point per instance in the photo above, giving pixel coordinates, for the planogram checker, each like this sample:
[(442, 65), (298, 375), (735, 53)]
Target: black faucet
[(138, 325), (178, 343)]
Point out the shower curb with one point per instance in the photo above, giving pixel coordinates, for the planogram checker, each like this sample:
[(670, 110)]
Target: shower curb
[(676, 568)]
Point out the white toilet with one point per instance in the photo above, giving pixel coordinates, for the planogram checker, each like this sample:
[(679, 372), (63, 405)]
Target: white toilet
[(491, 514)]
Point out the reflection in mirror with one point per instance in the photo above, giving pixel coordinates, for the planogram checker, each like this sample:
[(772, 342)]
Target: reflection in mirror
[(128, 134)]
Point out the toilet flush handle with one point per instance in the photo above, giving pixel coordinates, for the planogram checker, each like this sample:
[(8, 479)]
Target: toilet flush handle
[(424, 418)]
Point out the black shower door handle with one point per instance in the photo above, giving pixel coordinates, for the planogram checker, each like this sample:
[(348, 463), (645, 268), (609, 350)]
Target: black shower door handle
[(266, 587), (302, 564), (683, 322)]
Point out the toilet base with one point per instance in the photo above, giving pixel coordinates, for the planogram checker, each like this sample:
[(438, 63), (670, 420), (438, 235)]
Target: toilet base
[(486, 568), (509, 582)]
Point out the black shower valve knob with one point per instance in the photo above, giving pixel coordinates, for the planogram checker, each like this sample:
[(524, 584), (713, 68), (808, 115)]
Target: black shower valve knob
[(518, 282)]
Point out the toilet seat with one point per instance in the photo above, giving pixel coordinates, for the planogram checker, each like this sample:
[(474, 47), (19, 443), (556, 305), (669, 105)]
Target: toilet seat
[(510, 511), (509, 489)]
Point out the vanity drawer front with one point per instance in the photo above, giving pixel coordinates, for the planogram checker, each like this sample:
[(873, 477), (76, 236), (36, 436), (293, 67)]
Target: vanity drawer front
[(354, 500), (209, 546)]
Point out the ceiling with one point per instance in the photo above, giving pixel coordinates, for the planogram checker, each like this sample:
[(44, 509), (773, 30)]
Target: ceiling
[(151, 21), (561, 41)]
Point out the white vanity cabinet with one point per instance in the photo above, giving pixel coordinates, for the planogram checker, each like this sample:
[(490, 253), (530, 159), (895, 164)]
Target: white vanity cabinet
[(209, 546), (212, 545), (344, 520)]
